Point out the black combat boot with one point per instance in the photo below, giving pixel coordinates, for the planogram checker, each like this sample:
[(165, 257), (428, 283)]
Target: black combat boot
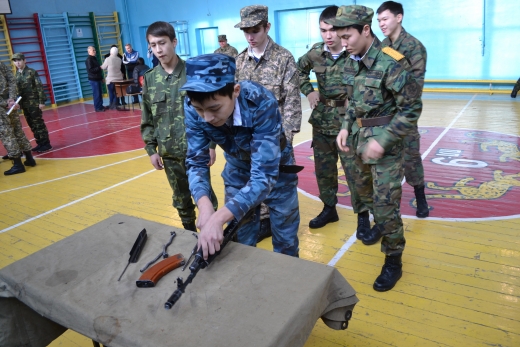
[(327, 215), (265, 229), (516, 88), (363, 224), (5, 157), (373, 235), (44, 147), (390, 274), (29, 159), (189, 226), (422, 205), (35, 149), (17, 167)]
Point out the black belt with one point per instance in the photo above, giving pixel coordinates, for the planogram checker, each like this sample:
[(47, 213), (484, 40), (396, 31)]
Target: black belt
[(332, 102), (372, 122)]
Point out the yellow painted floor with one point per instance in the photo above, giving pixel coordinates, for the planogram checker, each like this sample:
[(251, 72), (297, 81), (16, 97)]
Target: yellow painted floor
[(461, 282)]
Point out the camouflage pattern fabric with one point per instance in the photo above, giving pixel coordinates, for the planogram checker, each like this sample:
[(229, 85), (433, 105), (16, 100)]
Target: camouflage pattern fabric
[(415, 54), (252, 15), (228, 50), (381, 86), (11, 134), (350, 15), (277, 72), (251, 174), (163, 132), (209, 72), (30, 88)]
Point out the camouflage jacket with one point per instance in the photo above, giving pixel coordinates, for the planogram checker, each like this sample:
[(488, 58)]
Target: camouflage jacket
[(277, 72), (30, 87), (379, 86), (325, 119), (228, 50), (414, 52), (8, 89), (162, 120), (253, 146)]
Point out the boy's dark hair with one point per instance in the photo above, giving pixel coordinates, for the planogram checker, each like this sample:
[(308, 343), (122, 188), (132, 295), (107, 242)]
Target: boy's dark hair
[(200, 97), (358, 27), (328, 13), (140, 61), (262, 23), (161, 29), (392, 6)]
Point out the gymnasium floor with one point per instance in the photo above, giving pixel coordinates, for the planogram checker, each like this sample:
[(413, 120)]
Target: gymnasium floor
[(461, 282)]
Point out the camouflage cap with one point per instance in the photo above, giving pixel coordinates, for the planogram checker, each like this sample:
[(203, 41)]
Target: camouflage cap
[(252, 15), (18, 56), (209, 72), (353, 14), (222, 38)]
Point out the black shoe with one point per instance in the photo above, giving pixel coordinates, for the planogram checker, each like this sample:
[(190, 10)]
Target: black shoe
[(29, 159), (265, 229), (123, 103), (190, 226), (17, 167), (363, 224), (5, 157), (113, 106), (514, 92), (422, 205), (372, 236), (327, 215), (44, 148), (35, 149), (101, 110), (390, 274)]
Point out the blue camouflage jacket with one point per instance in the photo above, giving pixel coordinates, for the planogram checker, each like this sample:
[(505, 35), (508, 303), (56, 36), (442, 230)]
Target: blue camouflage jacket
[(254, 146)]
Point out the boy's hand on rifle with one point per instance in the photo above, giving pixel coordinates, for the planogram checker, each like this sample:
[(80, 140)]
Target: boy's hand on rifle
[(211, 232)]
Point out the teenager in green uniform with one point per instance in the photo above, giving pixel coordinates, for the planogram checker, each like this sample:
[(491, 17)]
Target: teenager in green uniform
[(384, 105), (162, 121), (390, 18)]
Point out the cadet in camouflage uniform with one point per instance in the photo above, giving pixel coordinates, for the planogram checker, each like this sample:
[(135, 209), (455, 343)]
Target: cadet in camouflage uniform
[(326, 59), (225, 48), (162, 122), (384, 105), (516, 88), (30, 88), (244, 120), (11, 133), (273, 67), (390, 16)]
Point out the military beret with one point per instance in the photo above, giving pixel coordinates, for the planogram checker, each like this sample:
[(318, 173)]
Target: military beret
[(18, 56), (209, 72), (350, 15), (222, 38), (252, 15)]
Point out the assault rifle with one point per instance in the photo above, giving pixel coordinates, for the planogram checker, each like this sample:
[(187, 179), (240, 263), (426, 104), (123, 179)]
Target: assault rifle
[(199, 263)]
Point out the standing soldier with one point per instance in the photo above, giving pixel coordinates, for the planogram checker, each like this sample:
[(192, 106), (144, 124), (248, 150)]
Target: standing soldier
[(30, 88), (273, 67), (162, 121), (11, 133), (384, 105), (327, 59), (390, 17), (225, 48)]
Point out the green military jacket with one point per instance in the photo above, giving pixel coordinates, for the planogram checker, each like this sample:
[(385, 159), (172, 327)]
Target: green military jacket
[(8, 88), (30, 87), (162, 120), (414, 52), (329, 73), (227, 50), (378, 86)]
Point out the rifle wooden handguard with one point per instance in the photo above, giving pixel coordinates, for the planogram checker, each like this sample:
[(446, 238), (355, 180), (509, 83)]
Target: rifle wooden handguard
[(151, 276)]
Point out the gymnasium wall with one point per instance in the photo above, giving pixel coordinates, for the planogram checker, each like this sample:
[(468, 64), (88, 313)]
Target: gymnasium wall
[(23, 8), (465, 39)]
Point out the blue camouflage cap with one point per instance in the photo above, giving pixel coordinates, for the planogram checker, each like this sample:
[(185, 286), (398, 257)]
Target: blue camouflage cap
[(209, 72)]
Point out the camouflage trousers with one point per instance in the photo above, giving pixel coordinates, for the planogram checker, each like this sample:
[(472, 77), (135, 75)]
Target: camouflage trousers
[(282, 202), (11, 134), (34, 117), (175, 170), (379, 189), (326, 155), (413, 166)]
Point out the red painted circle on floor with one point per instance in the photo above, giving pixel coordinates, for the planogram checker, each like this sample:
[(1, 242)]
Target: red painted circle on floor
[(469, 174)]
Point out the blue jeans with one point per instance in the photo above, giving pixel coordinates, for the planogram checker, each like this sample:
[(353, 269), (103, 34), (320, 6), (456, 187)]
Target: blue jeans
[(97, 94), (112, 93)]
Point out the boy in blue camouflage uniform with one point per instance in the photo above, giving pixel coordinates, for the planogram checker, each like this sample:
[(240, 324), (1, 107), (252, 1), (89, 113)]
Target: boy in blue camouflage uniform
[(384, 105), (244, 120)]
